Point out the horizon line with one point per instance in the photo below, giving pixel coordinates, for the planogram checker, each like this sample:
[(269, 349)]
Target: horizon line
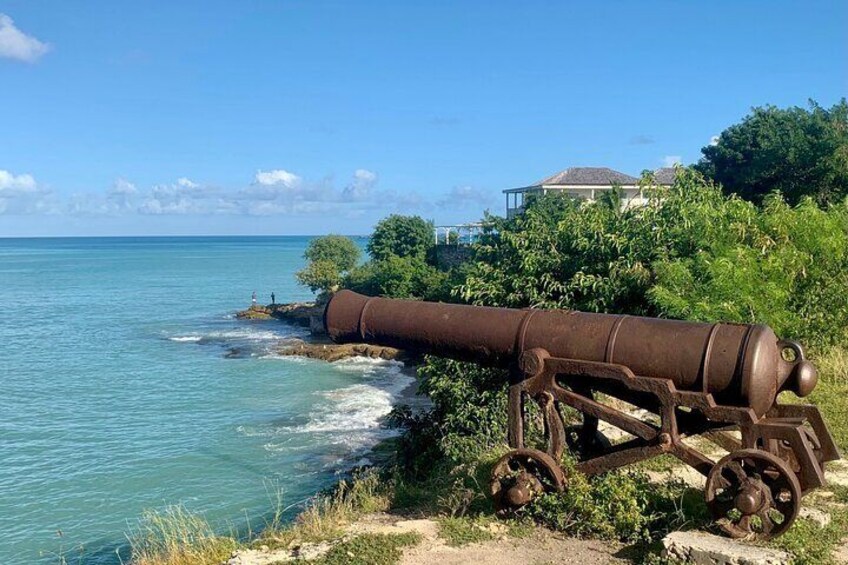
[(151, 236)]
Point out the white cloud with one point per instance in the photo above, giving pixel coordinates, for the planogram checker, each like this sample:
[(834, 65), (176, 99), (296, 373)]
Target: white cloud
[(277, 177), (671, 160), (186, 183), (182, 197), (11, 183), (22, 194), (123, 186), (360, 188), (15, 44), (274, 193), (714, 140)]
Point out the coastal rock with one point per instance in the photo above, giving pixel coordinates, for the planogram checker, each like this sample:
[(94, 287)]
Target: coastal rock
[(255, 312), (305, 314), (334, 352)]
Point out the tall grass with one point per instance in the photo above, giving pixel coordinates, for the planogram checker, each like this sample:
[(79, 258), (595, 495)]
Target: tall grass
[(176, 536), (833, 365), (325, 516)]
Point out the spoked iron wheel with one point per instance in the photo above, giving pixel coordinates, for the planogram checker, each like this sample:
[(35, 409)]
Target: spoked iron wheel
[(753, 494), (522, 474)]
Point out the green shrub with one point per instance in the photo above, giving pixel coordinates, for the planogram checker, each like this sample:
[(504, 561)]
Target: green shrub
[(611, 506), (397, 277), (462, 531), (469, 406), (619, 505), (370, 549)]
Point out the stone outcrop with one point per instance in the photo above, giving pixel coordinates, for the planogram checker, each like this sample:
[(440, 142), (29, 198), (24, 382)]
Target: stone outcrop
[(310, 315), (255, 312), (304, 314), (327, 351)]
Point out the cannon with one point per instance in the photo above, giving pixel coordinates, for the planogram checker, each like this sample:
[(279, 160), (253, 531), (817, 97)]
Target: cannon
[(659, 381)]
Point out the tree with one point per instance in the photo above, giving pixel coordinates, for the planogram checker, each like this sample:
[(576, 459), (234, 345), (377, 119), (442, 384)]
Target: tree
[(794, 151), (339, 250), (401, 236), (330, 257)]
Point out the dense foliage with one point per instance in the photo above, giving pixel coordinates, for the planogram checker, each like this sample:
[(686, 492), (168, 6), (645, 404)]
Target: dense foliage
[(398, 277), (691, 253), (401, 236), (330, 258), (339, 250), (403, 263), (794, 151)]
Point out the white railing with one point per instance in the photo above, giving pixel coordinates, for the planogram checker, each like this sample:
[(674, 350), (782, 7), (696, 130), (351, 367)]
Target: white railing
[(459, 234)]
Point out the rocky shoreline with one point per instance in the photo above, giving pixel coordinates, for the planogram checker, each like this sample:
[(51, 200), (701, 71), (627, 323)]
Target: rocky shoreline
[(304, 314), (329, 351), (310, 315)]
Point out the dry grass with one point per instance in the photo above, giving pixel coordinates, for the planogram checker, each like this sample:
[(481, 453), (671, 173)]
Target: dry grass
[(175, 536), (325, 517), (833, 365)]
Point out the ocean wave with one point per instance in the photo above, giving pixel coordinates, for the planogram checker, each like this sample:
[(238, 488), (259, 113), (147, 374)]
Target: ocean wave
[(250, 334), (186, 338), (237, 334), (296, 359), (349, 420), (354, 416)]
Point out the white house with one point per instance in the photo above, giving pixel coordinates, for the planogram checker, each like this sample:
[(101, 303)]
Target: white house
[(585, 183)]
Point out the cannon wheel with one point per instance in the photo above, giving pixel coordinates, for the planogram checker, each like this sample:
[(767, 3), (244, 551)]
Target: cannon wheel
[(520, 475), (753, 494)]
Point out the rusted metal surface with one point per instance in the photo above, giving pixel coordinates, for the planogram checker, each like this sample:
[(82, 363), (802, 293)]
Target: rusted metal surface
[(753, 492), (695, 379), (741, 365), (520, 475)]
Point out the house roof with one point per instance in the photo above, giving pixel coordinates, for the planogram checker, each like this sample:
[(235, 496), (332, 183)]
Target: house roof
[(588, 176), (665, 175)]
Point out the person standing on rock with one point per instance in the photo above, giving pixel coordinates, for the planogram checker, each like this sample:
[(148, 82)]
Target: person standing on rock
[(273, 299), (253, 298)]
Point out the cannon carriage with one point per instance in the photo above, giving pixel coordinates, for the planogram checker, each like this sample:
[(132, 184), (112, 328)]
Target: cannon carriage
[(717, 381)]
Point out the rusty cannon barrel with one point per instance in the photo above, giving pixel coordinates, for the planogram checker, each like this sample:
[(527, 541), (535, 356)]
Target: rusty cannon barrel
[(741, 365)]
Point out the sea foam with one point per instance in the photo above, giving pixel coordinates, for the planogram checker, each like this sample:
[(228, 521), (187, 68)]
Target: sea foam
[(352, 418)]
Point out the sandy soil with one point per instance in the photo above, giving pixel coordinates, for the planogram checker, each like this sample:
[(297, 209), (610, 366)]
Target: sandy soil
[(542, 547)]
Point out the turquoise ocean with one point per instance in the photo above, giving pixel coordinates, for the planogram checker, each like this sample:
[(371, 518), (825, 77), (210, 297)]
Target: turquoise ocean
[(120, 393)]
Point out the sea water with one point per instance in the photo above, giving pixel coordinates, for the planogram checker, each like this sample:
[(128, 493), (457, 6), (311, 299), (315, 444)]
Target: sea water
[(128, 385)]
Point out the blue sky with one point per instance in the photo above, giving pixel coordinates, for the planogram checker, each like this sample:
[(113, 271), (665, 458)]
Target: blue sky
[(305, 117)]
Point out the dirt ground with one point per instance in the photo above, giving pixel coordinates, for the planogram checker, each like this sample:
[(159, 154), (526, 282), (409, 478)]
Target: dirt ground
[(540, 547)]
